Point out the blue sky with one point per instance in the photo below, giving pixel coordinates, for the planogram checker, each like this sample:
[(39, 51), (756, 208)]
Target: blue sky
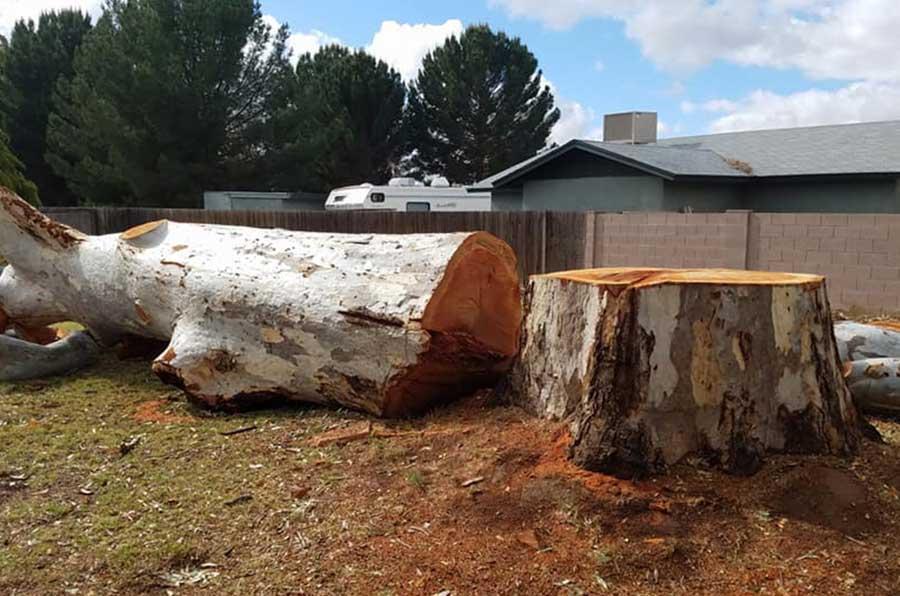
[(704, 65)]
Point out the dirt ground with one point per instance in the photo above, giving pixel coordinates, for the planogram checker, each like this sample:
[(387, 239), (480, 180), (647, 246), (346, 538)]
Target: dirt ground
[(110, 483)]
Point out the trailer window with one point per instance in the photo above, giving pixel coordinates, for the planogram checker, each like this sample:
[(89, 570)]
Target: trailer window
[(377, 197), (339, 198), (418, 206)]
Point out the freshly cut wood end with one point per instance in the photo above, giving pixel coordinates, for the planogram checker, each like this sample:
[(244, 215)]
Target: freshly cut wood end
[(618, 278), (138, 231), (479, 295), (474, 319)]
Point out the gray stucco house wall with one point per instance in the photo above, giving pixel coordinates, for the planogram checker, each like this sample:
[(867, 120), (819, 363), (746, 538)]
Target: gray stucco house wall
[(843, 196)]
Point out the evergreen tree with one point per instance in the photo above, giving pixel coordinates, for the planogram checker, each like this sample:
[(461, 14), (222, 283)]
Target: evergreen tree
[(356, 104), (38, 56), (167, 100), (11, 175), (477, 106)]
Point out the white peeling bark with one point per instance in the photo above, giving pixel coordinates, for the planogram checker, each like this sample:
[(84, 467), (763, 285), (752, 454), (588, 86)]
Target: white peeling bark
[(654, 366), (379, 323)]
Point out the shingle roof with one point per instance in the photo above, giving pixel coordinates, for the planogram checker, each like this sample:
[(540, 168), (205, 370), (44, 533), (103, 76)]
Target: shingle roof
[(845, 149), (866, 148), (675, 161)]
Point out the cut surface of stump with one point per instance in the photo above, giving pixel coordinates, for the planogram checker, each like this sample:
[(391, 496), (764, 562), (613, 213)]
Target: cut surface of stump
[(386, 324), (652, 366)]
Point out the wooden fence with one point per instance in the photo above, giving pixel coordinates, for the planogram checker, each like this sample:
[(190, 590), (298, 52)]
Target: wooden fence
[(543, 241)]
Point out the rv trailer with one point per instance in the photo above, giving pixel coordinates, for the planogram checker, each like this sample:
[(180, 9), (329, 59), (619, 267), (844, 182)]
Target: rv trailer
[(407, 194)]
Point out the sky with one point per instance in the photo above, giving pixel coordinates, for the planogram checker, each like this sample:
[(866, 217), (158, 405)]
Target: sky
[(704, 65)]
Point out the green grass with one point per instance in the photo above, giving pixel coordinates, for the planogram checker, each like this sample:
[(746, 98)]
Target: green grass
[(160, 507)]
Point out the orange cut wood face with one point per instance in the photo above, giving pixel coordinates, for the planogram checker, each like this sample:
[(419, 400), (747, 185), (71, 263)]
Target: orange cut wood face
[(616, 279), (474, 319), (479, 295)]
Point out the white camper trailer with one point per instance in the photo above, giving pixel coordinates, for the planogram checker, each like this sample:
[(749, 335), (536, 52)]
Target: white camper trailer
[(407, 194)]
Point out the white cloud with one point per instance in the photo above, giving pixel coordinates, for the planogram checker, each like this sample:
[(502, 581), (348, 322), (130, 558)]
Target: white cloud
[(12, 11), (403, 45), (309, 43), (575, 122), (302, 43), (848, 40), (842, 39), (858, 102)]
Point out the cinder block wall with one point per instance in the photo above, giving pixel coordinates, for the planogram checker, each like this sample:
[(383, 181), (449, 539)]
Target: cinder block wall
[(674, 240), (859, 254)]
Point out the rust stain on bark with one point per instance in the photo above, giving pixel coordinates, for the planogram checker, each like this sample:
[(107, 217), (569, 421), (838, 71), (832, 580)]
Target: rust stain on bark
[(36, 224)]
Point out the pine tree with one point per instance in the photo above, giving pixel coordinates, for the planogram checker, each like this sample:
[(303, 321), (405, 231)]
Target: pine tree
[(38, 56), (478, 105), (11, 175), (166, 101), (342, 123)]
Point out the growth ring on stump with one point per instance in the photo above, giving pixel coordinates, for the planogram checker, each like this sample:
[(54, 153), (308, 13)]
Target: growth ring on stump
[(651, 366)]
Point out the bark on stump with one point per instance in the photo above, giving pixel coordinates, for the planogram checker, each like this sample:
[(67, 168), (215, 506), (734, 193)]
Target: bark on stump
[(653, 366), (379, 323)]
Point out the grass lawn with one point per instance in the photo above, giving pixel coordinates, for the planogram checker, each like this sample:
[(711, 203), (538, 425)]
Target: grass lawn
[(110, 482)]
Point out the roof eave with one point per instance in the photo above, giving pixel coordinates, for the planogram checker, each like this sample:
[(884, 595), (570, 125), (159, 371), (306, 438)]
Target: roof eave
[(556, 152)]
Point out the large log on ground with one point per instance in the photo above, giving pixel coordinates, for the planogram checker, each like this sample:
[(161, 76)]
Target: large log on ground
[(21, 360), (875, 384), (379, 323), (871, 356), (652, 366), (857, 341)]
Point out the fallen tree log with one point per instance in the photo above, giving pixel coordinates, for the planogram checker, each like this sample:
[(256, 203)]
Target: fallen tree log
[(21, 360), (653, 366), (384, 324), (857, 341), (875, 384)]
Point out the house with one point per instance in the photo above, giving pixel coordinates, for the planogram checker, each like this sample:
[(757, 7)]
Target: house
[(841, 168)]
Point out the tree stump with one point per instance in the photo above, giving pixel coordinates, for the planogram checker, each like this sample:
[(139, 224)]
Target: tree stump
[(652, 366), (386, 324)]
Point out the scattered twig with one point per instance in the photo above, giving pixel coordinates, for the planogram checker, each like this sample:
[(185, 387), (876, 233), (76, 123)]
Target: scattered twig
[(237, 431), (240, 499), (472, 481)]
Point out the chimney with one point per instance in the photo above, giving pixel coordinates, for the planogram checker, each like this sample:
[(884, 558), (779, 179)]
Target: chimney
[(630, 127)]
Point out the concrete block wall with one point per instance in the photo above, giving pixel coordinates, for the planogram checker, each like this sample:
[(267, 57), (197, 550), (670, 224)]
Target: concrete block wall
[(858, 254), (674, 240)]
